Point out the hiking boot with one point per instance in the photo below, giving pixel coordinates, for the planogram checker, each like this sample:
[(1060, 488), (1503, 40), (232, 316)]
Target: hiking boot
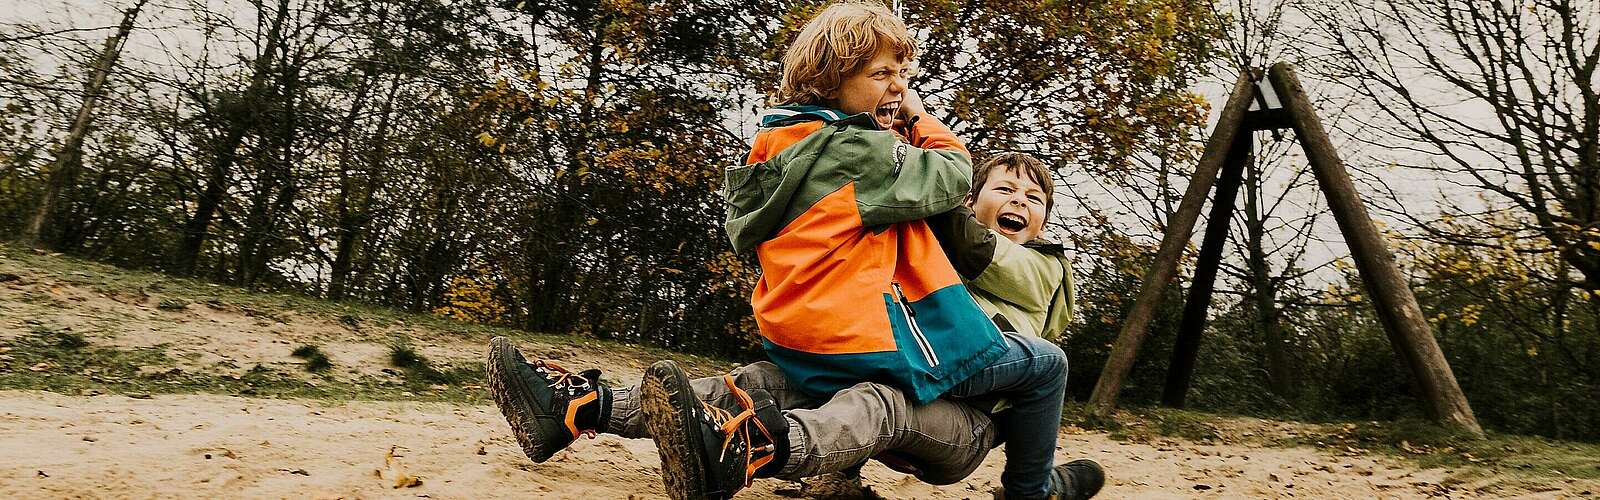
[(711, 452), (547, 406), (1076, 480), (1079, 479)]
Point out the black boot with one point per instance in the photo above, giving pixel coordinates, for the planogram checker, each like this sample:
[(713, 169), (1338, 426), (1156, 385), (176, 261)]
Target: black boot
[(1076, 480), (547, 406), (710, 452)]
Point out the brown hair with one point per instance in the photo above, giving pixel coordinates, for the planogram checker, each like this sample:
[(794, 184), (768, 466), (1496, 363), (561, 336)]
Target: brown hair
[(836, 43), (1021, 163)]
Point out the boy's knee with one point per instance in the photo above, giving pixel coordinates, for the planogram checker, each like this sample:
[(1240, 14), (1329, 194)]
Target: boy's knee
[(758, 375), (1047, 356)]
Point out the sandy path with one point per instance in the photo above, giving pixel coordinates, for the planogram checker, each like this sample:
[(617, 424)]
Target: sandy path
[(213, 446), (117, 447)]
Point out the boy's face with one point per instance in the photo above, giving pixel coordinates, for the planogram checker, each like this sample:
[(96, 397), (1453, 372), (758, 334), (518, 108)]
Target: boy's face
[(1011, 204), (876, 88)]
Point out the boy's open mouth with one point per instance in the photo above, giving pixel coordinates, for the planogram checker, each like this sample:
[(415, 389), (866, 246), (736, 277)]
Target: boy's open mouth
[(885, 114), (1011, 223)]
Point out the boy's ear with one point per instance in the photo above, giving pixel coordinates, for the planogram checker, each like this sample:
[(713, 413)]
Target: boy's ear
[(968, 200)]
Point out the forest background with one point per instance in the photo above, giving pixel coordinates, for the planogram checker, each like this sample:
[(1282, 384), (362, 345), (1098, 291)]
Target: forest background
[(555, 165)]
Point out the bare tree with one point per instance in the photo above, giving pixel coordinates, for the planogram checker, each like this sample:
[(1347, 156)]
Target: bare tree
[(1492, 96), (69, 158), (236, 114)]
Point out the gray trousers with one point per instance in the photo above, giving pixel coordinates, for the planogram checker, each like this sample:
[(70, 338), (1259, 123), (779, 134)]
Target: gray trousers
[(944, 440)]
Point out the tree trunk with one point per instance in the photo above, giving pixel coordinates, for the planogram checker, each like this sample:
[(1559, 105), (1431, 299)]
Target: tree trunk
[(240, 122), (64, 170), (1280, 370), (353, 220)]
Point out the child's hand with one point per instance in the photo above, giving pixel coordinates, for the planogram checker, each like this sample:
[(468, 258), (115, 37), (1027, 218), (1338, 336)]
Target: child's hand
[(911, 105)]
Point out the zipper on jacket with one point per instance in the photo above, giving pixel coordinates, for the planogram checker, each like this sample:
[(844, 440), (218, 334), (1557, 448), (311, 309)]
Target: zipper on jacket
[(911, 321)]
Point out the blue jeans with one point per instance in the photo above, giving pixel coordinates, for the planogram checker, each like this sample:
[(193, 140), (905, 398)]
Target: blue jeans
[(1032, 376)]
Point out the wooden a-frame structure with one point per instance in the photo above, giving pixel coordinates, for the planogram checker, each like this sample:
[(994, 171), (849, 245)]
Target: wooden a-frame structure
[(1228, 151)]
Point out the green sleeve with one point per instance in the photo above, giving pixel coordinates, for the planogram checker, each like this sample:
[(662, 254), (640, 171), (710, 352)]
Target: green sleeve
[(968, 245), (1059, 313), (897, 182)]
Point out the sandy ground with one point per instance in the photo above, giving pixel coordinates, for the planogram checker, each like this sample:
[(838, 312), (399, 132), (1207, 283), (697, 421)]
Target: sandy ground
[(205, 446), (216, 446)]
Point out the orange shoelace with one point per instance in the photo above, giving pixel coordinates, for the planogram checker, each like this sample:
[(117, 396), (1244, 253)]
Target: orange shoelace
[(565, 380), (734, 426)]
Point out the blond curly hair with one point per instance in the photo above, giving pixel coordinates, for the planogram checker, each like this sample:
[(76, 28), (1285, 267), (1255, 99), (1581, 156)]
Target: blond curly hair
[(836, 43)]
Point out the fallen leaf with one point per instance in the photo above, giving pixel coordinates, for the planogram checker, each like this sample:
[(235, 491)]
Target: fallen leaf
[(40, 367), (403, 480)]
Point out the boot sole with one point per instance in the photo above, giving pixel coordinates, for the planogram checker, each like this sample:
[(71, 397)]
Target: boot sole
[(510, 395), (664, 391)]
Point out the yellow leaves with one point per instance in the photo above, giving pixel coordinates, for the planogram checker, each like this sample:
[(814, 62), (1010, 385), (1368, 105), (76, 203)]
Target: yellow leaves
[(737, 277), (1470, 314), (1337, 293), (474, 298), (486, 139)]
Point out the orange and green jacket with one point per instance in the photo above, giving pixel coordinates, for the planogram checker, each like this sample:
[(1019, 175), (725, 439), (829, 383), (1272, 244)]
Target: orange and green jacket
[(854, 286)]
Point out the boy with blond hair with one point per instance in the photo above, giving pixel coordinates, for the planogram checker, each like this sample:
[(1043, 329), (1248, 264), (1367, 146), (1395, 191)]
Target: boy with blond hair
[(857, 299), (1022, 281)]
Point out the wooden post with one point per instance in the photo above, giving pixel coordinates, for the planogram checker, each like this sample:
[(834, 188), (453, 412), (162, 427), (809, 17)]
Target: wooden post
[(1193, 325), (1391, 294), (1174, 238)]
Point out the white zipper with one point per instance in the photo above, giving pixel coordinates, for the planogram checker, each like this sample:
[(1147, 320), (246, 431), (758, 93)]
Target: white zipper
[(916, 331)]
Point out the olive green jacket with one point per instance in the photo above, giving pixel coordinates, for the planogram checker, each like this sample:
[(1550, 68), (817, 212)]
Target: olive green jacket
[(1029, 286)]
